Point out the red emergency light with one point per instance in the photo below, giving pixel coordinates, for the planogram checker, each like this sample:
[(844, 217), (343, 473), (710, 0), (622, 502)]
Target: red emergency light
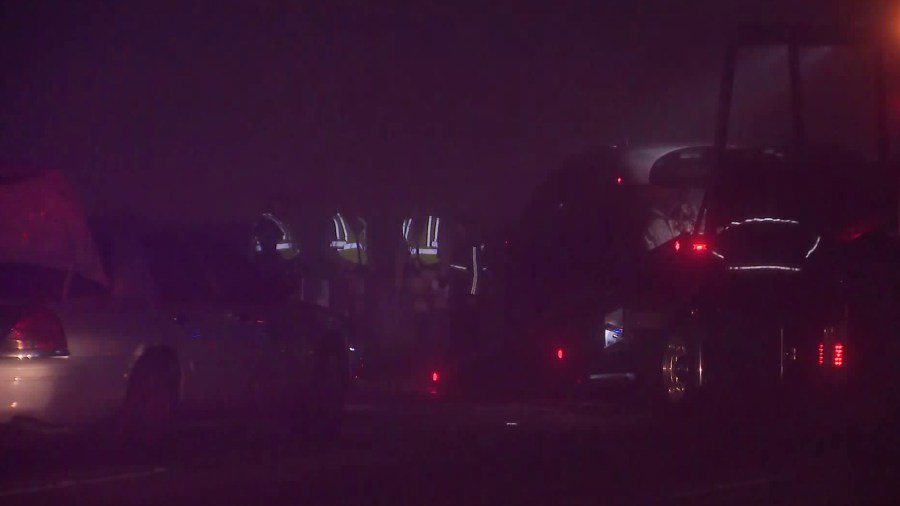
[(837, 354), (837, 359)]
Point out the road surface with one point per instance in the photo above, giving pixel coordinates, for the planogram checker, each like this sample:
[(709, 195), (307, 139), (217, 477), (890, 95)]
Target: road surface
[(433, 452)]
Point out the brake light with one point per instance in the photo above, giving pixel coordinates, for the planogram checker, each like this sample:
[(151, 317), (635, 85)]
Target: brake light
[(821, 358), (697, 245), (560, 354), (837, 359), (435, 376), (38, 333)]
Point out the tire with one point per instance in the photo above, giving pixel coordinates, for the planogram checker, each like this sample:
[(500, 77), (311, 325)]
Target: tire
[(146, 419)]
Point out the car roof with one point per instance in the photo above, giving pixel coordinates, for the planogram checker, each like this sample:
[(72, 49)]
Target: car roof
[(636, 164)]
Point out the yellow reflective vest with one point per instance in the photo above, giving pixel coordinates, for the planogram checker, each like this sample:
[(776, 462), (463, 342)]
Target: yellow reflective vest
[(422, 240), (285, 246), (349, 244)]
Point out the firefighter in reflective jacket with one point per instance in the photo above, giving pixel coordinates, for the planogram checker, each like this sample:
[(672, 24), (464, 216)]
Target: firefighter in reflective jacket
[(275, 252), (467, 283), (350, 240), (272, 236), (349, 246), (422, 275)]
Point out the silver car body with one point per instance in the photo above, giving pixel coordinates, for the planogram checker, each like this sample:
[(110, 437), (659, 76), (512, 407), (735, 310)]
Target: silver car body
[(224, 359)]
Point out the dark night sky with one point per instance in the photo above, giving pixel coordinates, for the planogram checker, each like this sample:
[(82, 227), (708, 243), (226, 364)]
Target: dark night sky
[(203, 110)]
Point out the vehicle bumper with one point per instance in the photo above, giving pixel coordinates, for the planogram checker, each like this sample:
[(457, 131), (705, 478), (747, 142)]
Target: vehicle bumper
[(32, 389)]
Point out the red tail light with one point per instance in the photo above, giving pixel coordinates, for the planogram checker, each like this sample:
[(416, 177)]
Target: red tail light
[(696, 244), (435, 376), (560, 354), (821, 357), (837, 359), (38, 333)]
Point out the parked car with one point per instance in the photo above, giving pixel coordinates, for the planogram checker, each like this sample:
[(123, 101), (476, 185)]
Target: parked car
[(130, 324)]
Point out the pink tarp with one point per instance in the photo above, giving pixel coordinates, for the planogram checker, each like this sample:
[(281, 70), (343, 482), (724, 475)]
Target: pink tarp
[(42, 222)]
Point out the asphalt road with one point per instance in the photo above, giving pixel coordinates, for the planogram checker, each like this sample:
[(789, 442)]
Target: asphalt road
[(433, 452)]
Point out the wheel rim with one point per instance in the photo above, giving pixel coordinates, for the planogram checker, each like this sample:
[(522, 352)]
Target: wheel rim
[(676, 371)]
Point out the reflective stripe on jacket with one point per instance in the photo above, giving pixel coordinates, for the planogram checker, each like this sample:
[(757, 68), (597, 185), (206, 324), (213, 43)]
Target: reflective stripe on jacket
[(474, 266)]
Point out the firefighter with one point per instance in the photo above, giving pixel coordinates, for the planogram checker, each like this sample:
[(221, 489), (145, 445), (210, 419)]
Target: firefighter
[(350, 264), (275, 249), (467, 283), (422, 275), (272, 235)]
